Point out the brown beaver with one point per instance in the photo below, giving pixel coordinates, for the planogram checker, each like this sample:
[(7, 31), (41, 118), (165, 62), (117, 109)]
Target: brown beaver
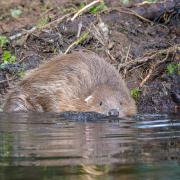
[(80, 81)]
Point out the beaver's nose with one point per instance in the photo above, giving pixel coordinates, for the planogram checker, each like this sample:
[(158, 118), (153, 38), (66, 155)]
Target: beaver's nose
[(113, 112)]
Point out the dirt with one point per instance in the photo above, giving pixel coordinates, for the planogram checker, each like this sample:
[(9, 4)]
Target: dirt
[(139, 49)]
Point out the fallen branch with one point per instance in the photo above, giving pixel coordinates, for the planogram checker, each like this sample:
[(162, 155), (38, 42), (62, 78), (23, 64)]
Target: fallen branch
[(148, 57), (148, 76), (152, 69)]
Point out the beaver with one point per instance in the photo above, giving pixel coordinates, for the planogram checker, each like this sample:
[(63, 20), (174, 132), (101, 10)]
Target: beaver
[(80, 81)]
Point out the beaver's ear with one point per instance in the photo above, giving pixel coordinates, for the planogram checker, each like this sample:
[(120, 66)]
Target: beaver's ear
[(88, 98)]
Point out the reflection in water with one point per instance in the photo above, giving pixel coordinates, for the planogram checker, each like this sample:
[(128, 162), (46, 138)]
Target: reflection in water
[(49, 146)]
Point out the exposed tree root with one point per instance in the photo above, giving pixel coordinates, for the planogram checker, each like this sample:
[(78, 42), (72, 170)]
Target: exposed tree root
[(154, 59)]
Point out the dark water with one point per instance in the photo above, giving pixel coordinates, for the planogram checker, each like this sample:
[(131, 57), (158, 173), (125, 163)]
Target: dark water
[(46, 146)]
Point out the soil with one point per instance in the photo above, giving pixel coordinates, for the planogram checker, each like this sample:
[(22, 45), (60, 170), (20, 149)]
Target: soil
[(139, 48)]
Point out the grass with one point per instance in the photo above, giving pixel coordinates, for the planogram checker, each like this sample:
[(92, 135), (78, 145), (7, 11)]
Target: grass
[(80, 40), (3, 41), (173, 68), (135, 93), (7, 57), (42, 22), (98, 8)]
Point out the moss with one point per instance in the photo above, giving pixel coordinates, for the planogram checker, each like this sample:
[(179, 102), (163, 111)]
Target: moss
[(173, 68)]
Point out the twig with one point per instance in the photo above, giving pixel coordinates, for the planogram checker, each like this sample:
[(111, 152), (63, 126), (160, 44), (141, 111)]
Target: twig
[(24, 32), (110, 55), (47, 11), (79, 40), (7, 78), (79, 29), (149, 57), (131, 12), (57, 21), (85, 8), (147, 77), (100, 37), (33, 29), (153, 67), (135, 62), (127, 55), (97, 34), (25, 57)]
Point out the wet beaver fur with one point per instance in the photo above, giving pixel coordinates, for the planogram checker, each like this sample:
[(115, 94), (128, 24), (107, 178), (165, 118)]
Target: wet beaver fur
[(80, 81)]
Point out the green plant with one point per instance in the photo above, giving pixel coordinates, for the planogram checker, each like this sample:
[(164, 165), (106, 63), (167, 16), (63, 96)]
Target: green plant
[(3, 41), (173, 68), (7, 57), (82, 5), (97, 8), (125, 1), (21, 73), (83, 37), (135, 93), (16, 13), (42, 22), (80, 40)]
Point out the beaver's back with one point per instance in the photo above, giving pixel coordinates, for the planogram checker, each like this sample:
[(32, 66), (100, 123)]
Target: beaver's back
[(75, 73), (63, 84)]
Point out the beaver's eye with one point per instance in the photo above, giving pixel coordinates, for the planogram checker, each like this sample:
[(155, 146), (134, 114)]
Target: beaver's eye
[(100, 103)]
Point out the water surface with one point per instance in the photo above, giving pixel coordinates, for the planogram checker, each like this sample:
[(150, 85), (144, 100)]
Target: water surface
[(48, 146)]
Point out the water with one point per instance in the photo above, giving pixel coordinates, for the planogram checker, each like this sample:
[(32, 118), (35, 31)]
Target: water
[(47, 146)]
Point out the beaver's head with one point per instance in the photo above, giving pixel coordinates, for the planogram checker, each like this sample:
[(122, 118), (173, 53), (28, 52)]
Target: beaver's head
[(111, 101)]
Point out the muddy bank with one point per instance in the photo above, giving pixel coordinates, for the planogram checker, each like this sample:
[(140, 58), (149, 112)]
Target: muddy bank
[(145, 51)]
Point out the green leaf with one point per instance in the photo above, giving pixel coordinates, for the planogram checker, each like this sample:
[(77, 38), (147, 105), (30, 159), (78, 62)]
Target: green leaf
[(100, 7), (8, 58), (16, 13), (172, 68), (125, 2), (3, 40), (12, 59), (135, 93), (42, 22), (82, 5)]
